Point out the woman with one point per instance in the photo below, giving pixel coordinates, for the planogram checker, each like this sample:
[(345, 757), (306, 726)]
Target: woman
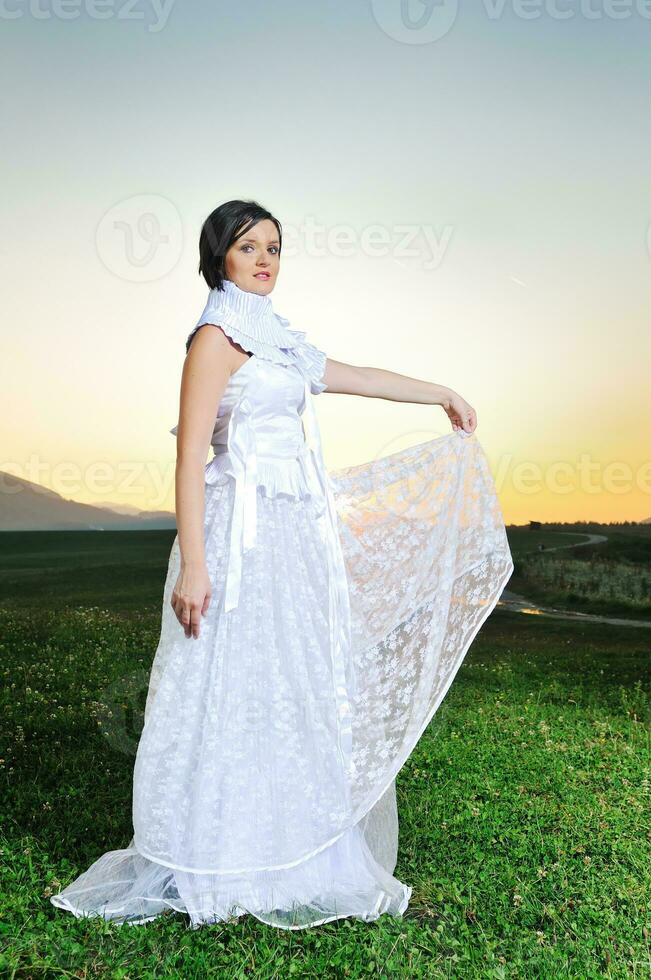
[(327, 615)]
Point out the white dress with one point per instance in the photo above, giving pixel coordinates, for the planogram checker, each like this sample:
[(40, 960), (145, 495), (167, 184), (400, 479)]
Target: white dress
[(343, 605)]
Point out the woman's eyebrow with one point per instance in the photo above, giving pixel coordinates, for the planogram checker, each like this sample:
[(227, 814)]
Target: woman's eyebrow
[(274, 241)]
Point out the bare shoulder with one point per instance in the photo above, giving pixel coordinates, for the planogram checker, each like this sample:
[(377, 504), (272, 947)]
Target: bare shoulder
[(210, 341)]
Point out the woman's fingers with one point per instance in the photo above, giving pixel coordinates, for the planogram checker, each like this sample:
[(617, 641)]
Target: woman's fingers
[(189, 618), (189, 613)]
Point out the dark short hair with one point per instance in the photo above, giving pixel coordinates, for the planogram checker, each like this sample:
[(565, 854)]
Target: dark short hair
[(221, 229)]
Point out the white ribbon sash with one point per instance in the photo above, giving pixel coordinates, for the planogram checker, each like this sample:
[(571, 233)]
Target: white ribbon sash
[(242, 451)]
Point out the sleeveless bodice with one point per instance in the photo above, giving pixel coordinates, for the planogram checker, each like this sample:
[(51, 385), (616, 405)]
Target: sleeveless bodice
[(269, 399), (277, 399), (260, 440)]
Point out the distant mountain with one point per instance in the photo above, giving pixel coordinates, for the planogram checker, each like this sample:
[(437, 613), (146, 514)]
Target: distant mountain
[(27, 506), (118, 508)]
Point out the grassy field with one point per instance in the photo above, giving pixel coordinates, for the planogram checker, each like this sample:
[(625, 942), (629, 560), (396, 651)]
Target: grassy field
[(610, 577), (524, 810)]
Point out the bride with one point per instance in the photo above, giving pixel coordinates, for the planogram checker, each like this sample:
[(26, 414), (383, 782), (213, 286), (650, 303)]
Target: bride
[(312, 622)]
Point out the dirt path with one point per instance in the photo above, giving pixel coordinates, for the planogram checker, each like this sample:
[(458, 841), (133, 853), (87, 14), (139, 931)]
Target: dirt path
[(589, 539), (518, 603)]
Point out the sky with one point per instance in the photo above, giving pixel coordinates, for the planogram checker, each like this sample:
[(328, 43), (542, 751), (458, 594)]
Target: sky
[(464, 198)]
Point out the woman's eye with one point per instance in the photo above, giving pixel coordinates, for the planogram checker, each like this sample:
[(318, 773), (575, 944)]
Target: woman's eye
[(273, 248)]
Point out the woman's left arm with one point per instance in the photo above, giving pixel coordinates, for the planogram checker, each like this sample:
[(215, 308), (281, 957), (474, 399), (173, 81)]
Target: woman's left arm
[(372, 382)]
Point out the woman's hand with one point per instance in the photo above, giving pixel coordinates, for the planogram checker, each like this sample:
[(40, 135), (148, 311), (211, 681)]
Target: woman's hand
[(461, 414), (191, 597)]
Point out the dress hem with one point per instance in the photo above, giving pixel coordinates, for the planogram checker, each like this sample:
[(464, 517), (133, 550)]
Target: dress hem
[(381, 907)]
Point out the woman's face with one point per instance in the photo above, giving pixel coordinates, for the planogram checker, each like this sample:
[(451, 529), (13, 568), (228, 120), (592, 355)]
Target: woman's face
[(253, 261)]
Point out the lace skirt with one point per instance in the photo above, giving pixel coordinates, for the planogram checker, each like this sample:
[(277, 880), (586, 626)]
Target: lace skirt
[(243, 799)]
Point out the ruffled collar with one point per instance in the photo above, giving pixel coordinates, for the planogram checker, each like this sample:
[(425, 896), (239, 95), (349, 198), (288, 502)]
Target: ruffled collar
[(249, 319), (251, 316)]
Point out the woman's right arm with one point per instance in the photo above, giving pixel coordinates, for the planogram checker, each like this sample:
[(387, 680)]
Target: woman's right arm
[(208, 366)]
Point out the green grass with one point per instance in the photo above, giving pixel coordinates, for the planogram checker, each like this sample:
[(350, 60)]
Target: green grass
[(632, 544), (618, 587), (120, 569), (610, 578), (524, 809)]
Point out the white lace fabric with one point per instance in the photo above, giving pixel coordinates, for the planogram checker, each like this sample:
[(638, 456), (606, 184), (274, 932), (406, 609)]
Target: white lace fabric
[(264, 781)]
